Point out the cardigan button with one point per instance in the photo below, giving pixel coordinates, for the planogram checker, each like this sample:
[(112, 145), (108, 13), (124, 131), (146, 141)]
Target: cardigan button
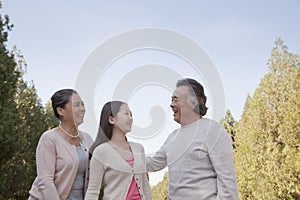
[(137, 179)]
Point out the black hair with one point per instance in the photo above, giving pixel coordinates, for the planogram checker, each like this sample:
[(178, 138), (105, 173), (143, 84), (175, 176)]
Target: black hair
[(196, 91), (60, 98)]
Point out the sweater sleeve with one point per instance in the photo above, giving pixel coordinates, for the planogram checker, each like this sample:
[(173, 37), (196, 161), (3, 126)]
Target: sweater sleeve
[(159, 160), (45, 162), (96, 176), (221, 155)]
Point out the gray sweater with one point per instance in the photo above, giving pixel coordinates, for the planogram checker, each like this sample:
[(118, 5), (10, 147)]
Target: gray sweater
[(200, 162)]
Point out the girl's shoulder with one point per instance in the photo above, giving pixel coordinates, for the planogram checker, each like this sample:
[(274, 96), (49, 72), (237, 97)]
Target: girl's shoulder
[(137, 146), (103, 148)]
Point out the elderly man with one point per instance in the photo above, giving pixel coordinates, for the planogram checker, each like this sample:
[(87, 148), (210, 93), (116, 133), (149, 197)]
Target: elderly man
[(199, 154)]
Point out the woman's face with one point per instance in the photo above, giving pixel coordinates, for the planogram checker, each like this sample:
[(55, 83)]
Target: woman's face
[(123, 120), (74, 110)]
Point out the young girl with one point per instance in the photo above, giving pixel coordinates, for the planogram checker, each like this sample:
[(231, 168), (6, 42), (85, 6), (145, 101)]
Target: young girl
[(117, 164)]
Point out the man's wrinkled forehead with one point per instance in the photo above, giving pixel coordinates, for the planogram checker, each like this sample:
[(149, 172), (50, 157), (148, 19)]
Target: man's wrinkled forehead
[(181, 91)]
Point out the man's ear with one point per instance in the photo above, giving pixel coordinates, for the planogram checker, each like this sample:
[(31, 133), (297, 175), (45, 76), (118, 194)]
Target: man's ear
[(193, 102), (111, 120), (195, 106)]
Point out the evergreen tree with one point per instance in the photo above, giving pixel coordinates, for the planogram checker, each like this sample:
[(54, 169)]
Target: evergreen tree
[(31, 126), (160, 190), (229, 124), (268, 134), (9, 76), (20, 167), (50, 118), (22, 121)]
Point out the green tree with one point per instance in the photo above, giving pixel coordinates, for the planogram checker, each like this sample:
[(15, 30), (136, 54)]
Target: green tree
[(50, 118), (20, 167), (9, 76), (33, 119), (160, 190), (31, 126), (267, 138), (229, 124), (23, 119)]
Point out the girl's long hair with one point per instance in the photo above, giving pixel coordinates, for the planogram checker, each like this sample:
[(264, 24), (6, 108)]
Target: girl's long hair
[(105, 128)]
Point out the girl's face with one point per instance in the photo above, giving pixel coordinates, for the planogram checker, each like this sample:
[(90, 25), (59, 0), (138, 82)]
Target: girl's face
[(123, 119)]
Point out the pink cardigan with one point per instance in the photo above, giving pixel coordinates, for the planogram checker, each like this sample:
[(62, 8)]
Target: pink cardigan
[(57, 163)]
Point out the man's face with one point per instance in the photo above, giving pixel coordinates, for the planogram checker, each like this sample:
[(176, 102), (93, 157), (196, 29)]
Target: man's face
[(180, 105)]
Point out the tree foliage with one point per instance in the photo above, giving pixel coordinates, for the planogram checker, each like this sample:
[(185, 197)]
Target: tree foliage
[(160, 190), (268, 135), (9, 76), (229, 124), (30, 122), (22, 121), (50, 118)]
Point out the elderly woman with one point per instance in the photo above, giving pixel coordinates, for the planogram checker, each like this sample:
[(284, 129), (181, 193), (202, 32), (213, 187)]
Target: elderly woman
[(62, 152)]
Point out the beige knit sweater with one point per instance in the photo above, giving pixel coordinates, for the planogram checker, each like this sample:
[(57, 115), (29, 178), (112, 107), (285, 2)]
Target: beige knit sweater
[(57, 164), (109, 169)]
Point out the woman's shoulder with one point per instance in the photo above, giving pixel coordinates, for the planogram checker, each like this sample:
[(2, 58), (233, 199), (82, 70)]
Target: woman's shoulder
[(85, 134), (50, 134), (87, 137), (49, 137)]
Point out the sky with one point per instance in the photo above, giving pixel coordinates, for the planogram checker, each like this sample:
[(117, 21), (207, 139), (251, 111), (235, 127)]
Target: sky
[(100, 48)]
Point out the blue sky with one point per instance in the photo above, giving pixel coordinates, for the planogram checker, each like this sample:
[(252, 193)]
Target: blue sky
[(57, 37)]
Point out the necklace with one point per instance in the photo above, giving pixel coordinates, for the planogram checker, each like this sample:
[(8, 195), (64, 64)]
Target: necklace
[(66, 132)]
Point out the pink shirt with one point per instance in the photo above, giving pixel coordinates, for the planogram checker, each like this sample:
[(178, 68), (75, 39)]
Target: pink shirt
[(133, 192)]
